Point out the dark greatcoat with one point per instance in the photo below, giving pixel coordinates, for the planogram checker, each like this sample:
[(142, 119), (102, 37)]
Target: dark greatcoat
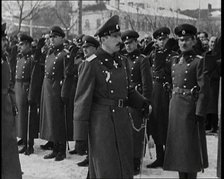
[(107, 126), (56, 84), (141, 78), (182, 148), (10, 164), (24, 69), (161, 73)]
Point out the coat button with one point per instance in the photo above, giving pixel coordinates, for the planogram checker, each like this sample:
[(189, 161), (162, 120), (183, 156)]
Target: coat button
[(184, 93), (113, 110), (184, 86), (185, 79), (173, 71), (188, 64), (111, 91), (54, 62), (186, 71), (106, 60), (110, 81)]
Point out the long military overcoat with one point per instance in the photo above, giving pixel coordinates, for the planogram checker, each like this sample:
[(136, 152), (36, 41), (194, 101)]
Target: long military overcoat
[(161, 74), (186, 141), (24, 70), (10, 164), (107, 126), (141, 78), (56, 84)]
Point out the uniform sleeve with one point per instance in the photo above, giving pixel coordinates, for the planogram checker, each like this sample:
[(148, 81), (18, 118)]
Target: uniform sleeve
[(68, 77), (83, 100), (146, 77), (37, 76), (203, 83)]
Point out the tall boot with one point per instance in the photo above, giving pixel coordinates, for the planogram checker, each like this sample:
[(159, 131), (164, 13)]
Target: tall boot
[(30, 148), (137, 163), (192, 175), (61, 155), (214, 123), (54, 152), (159, 157), (183, 175), (208, 122)]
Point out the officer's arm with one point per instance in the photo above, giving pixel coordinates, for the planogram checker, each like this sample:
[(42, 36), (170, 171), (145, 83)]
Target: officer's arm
[(83, 100), (203, 83), (146, 77)]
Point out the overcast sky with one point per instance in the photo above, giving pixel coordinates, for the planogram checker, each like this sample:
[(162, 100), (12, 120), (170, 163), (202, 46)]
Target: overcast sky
[(182, 4)]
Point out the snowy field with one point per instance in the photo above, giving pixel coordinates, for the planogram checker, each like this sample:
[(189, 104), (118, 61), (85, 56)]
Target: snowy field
[(35, 167)]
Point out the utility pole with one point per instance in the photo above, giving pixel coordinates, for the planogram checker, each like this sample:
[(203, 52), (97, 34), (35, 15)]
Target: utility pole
[(79, 17), (199, 15), (31, 20)]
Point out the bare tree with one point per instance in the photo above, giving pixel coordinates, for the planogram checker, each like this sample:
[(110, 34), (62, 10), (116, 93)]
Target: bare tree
[(19, 10)]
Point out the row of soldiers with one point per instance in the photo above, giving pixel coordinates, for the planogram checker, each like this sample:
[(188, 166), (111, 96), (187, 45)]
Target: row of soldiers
[(81, 93)]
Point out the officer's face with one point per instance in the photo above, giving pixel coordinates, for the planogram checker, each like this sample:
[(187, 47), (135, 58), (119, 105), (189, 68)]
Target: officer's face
[(212, 42), (56, 40), (186, 43), (4, 43), (130, 46), (111, 43), (24, 47), (161, 41), (88, 50)]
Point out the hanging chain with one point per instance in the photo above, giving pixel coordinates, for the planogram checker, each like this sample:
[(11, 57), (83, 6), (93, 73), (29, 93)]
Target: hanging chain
[(143, 125)]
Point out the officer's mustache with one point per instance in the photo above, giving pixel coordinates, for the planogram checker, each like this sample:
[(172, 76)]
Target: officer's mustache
[(118, 44)]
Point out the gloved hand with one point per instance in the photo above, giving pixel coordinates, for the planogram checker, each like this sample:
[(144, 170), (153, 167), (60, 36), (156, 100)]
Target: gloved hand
[(41, 43), (81, 147), (199, 118), (146, 109), (64, 100), (14, 110)]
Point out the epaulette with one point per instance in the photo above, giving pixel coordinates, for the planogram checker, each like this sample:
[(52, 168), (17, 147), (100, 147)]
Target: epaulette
[(90, 58), (67, 51), (199, 56)]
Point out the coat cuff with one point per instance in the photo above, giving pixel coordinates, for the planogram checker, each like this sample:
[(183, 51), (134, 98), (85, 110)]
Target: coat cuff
[(81, 129)]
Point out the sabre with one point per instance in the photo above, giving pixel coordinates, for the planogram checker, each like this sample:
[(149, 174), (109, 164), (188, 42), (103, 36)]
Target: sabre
[(28, 128), (146, 140), (66, 129), (200, 148)]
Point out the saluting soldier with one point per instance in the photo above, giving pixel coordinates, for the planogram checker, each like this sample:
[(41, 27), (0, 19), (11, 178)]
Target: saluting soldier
[(54, 96), (10, 164), (161, 72), (100, 113), (27, 119), (141, 79), (186, 150)]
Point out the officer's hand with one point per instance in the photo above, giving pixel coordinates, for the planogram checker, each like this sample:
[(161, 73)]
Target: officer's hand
[(81, 147), (199, 118), (41, 43), (146, 108), (64, 100), (14, 110)]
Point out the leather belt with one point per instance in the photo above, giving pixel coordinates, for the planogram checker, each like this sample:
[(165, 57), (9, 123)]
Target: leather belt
[(49, 77), (22, 80), (193, 91), (159, 79), (111, 102)]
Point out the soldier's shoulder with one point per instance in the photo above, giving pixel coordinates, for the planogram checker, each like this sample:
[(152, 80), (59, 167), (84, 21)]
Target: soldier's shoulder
[(91, 58)]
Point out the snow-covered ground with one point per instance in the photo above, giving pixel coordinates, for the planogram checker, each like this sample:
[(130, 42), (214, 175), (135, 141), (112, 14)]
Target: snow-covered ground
[(35, 167)]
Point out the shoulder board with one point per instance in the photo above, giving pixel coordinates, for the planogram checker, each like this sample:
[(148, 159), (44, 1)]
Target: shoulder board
[(67, 51), (90, 58), (142, 55), (199, 56)]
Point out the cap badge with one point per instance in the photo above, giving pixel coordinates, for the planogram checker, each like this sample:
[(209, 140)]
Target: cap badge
[(183, 32), (162, 33), (126, 37), (117, 27)]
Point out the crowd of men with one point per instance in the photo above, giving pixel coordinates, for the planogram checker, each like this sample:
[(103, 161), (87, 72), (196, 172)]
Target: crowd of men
[(99, 91)]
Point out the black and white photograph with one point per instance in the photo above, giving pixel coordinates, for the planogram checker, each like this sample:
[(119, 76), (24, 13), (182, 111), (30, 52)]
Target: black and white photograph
[(111, 89)]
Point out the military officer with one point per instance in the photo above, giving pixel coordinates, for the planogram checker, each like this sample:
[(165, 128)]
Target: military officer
[(55, 126), (141, 79), (186, 150), (90, 45), (27, 113), (100, 114), (10, 164), (161, 72)]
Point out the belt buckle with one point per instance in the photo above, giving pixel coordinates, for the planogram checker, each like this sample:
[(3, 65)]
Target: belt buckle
[(120, 103)]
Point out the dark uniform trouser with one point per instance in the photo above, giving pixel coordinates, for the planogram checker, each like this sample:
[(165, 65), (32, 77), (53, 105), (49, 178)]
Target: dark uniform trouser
[(184, 175)]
